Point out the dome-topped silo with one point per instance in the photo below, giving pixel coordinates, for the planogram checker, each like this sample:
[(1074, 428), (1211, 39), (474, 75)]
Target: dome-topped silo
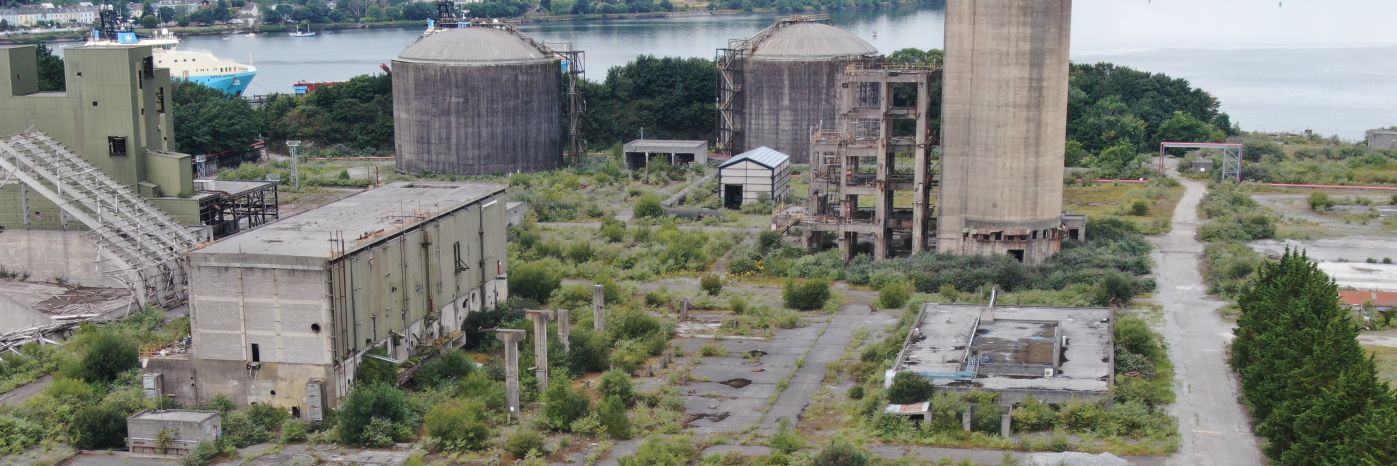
[(477, 100), (787, 83)]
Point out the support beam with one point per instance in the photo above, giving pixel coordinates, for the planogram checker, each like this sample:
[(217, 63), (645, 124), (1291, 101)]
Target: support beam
[(598, 308), (565, 329), (540, 318), (511, 339)]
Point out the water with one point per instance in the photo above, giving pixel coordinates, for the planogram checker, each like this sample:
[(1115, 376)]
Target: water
[(1276, 66)]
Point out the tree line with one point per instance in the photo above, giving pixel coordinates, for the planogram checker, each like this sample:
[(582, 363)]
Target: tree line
[(1313, 391)]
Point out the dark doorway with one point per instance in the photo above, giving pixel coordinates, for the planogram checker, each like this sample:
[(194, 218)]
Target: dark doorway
[(732, 196), (1017, 254), (256, 353)]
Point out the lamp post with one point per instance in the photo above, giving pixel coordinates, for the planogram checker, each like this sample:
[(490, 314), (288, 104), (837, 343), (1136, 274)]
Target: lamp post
[(295, 165)]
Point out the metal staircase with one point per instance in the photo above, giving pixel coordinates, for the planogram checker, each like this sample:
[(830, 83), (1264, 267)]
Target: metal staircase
[(148, 244)]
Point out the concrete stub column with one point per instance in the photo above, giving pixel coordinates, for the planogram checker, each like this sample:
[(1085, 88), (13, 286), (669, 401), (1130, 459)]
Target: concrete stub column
[(1004, 425), (540, 319), (565, 329), (511, 338), (965, 417), (684, 309), (598, 308)]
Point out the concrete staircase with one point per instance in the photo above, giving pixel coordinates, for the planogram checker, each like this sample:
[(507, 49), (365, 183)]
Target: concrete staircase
[(147, 244)]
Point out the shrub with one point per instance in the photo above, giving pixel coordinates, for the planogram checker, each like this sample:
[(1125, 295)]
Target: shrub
[(616, 383), (807, 295), (458, 425), (660, 450), (447, 368), (856, 392), (580, 252), (737, 304), (894, 295), (480, 386), (97, 428), (712, 349), (1033, 416), (1139, 208), (379, 433), (634, 324), (364, 405), (629, 355), (523, 441), (534, 280), (294, 431), (909, 388), (767, 240), (18, 434), (373, 370), (785, 440), (107, 356), (202, 454), (711, 284), (562, 404), (612, 415), (613, 231), (1115, 289), (588, 351), (649, 206), (1320, 201), (1134, 335), (840, 453)]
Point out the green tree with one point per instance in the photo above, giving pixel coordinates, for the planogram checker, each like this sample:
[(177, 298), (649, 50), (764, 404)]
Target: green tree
[(51, 77), (1184, 127), (672, 98), (98, 427), (562, 404), (106, 357), (149, 21), (534, 280), (612, 415), (909, 388), (618, 384), (1118, 161), (207, 121), (366, 403)]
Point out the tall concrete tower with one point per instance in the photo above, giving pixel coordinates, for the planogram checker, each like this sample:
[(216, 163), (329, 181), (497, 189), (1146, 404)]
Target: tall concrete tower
[(1004, 124)]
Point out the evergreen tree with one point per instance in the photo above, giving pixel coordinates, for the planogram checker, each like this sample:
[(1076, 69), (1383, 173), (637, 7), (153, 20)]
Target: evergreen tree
[(1320, 432)]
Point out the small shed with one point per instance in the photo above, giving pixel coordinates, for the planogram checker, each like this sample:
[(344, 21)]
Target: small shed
[(184, 429), (1202, 165), (761, 173), (640, 151), (1380, 139)]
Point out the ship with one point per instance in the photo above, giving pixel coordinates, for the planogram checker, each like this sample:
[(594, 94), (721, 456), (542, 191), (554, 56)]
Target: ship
[(193, 65)]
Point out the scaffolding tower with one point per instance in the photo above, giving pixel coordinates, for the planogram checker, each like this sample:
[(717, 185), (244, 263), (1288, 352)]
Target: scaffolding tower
[(873, 172), (730, 62), (147, 244)]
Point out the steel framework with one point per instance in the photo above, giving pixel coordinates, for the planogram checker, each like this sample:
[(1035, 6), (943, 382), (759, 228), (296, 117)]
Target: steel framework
[(731, 79), (1231, 156)]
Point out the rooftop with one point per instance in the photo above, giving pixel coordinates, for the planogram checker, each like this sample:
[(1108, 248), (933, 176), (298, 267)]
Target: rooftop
[(180, 415), (1010, 348), (1362, 297), (810, 40), (764, 156), (362, 219), (475, 45), (663, 145)]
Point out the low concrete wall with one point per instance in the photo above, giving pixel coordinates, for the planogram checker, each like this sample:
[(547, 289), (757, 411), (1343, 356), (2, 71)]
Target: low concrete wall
[(197, 381), (50, 254)]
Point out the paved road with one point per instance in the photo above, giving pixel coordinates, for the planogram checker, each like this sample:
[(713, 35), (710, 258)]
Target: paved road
[(1215, 429), (24, 392), (810, 376)]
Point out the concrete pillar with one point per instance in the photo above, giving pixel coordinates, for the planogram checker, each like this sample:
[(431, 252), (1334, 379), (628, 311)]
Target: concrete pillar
[(598, 308), (1004, 424), (565, 329), (511, 339), (966, 416), (540, 318), (684, 310)]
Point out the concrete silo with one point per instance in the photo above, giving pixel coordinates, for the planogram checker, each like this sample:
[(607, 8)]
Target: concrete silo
[(476, 100), (778, 86), (1004, 124)]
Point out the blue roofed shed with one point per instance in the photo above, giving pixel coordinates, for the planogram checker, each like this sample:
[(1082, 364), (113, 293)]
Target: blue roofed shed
[(761, 174)]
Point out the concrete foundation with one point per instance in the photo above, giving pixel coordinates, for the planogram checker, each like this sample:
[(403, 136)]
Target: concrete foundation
[(511, 339), (598, 308)]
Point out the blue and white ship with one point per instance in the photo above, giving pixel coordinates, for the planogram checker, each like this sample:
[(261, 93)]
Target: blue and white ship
[(194, 65)]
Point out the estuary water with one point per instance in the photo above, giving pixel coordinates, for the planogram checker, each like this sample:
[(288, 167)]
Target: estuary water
[(1275, 65)]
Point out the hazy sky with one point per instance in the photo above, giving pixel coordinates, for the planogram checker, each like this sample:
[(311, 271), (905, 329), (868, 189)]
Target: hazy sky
[(1110, 26)]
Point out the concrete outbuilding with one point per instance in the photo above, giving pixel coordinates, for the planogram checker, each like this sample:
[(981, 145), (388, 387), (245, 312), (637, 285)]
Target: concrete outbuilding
[(753, 176), (182, 431), (1380, 139), (284, 315), (640, 151)]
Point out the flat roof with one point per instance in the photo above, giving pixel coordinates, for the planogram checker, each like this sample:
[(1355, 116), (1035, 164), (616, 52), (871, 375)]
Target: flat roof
[(233, 188), (360, 219), (180, 415), (946, 335), (1362, 275), (666, 145)]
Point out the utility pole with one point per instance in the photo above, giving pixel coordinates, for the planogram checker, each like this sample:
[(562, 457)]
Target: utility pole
[(295, 164)]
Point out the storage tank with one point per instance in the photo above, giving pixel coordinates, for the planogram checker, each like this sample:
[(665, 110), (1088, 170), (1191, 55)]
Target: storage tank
[(788, 77), (1004, 125), (477, 100)]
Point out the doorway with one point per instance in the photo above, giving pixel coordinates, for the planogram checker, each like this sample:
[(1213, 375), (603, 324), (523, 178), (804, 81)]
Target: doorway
[(732, 196)]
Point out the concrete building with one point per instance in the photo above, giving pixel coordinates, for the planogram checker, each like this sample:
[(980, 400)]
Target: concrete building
[(30, 16), (479, 99), (640, 151), (777, 87), (873, 170), (1004, 127), (752, 176), (1380, 139), (284, 314), (1050, 354), (184, 428)]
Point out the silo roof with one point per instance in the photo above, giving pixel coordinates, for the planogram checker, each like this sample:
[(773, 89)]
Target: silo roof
[(805, 41), (476, 45)]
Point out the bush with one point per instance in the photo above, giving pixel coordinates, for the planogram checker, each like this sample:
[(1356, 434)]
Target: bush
[(458, 425), (366, 404), (807, 295), (107, 356), (534, 280), (785, 440), (373, 370), (202, 454), (613, 231), (562, 404), (840, 453), (588, 351), (523, 441), (616, 383), (1320, 201), (447, 368), (659, 450), (294, 431), (909, 388), (856, 392), (1115, 289), (612, 415), (894, 295), (711, 284), (379, 433), (480, 386), (767, 240), (98, 428), (580, 252), (1033, 416), (1134, 335), (649, 206), (1140, 208)]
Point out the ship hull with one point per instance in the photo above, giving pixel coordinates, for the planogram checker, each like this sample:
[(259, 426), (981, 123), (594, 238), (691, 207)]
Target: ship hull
[(230, 83)]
